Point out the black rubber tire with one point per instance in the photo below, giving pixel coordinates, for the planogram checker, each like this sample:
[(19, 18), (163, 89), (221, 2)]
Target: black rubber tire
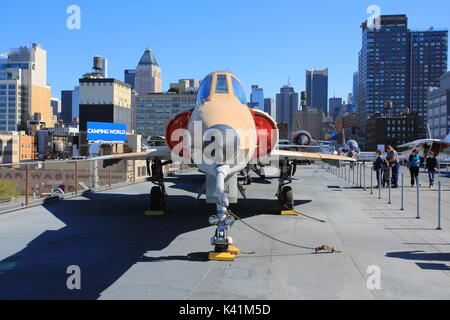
[(157, 202), (287, 198), (221, 248)]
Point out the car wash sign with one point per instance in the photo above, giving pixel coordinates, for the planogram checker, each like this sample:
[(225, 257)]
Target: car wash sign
[(110, 132)]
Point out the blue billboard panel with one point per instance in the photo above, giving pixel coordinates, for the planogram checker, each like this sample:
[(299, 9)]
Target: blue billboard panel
[(101, 131)]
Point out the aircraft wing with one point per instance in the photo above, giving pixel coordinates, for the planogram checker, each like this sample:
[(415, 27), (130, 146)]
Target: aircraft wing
[(292, 155), (162, 153), (416, 143)]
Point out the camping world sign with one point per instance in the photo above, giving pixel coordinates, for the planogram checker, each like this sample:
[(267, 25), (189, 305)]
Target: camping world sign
[(101, 131)]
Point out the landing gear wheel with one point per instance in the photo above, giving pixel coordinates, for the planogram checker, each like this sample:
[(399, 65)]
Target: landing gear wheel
[(157, 202), (248, 180), (287, 198), (220, 248)]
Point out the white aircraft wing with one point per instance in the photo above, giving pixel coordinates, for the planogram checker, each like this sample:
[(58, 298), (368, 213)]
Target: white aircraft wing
[(417, 143), (162, 153), (292, 155)]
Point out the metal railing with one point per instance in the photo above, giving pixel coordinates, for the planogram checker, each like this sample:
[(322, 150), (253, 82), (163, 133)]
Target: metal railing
[(355, 174), (32, 183)]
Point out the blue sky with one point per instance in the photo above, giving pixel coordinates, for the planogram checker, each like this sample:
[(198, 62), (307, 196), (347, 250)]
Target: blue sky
[(263, 42)]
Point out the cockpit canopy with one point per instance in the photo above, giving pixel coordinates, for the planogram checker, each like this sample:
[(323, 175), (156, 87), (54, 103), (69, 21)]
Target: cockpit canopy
[(221, 83)]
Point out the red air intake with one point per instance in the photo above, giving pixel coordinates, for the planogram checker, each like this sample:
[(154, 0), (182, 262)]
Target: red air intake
[(181, 121), (267, 132)]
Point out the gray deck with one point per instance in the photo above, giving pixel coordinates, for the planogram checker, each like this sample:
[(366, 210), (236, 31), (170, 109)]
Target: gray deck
[(125, 255)]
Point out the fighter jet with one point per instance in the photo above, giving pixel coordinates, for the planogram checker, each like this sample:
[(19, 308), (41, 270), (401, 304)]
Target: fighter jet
[(303, 141), (221, 137)]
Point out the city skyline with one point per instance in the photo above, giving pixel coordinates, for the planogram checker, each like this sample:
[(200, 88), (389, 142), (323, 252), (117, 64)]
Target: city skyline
[(186, 58)]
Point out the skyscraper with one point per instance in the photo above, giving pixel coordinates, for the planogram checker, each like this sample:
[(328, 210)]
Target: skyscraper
[(355, 88), (130, 77), (317, 89), (439, 108), (24, 93), (396, 68), (56, 106), (148, 74), (66, 106), (287, 104), (257, 98), (427, 63), (269, 107), (335, 106)]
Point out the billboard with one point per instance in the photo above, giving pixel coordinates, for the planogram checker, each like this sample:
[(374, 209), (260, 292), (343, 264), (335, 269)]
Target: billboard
[(111, 132)]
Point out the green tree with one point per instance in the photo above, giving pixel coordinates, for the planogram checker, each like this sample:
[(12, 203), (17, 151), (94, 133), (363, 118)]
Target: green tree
[(8, 191)]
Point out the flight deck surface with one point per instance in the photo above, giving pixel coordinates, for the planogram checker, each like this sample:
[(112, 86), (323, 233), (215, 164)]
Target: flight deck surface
[(123, 254)]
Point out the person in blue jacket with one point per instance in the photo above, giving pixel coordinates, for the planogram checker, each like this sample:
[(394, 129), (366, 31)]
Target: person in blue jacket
[(414, 166)]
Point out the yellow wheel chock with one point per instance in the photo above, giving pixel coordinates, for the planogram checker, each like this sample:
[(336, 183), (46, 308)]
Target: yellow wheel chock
[(154, 213), (225, 256), (289, 213)]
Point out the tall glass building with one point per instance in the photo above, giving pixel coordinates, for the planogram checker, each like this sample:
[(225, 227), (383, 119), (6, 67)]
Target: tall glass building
[(317, 89), (396, 68), (287, 104), (257, 98)]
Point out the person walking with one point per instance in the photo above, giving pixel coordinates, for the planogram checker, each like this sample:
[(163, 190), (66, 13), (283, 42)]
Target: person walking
[(394, 164), (414, 166), (379, 166), (431, 166)]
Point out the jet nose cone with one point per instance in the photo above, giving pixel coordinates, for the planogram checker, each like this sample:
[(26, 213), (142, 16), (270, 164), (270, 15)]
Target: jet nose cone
[(221, 144)]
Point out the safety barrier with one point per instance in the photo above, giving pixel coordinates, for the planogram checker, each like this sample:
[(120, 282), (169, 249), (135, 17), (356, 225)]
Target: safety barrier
[(29, 184), (355, 173)]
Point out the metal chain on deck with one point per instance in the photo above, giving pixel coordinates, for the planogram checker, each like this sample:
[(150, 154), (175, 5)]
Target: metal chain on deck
[(324, 248)]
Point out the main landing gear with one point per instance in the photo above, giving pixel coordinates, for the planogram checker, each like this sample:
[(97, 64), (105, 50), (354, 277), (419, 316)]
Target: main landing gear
[(158, 193), (285, 193)]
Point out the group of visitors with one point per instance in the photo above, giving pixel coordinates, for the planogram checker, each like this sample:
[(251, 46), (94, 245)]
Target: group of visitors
[(388, 166)]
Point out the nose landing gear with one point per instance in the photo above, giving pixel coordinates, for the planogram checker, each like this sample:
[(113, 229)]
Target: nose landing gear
[(222, 241)]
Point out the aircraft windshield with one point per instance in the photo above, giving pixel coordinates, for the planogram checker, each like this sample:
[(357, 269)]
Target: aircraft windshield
[(204, 91), (239, 91), (222, 84)]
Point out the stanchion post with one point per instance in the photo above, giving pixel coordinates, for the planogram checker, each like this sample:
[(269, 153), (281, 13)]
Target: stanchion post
[(418, 197), (361, 173), (403, 192), (371, 182), (390, 187), (439, 206), (353, 172), (110, 176), (364, 175), (358, 169), (379, 184)]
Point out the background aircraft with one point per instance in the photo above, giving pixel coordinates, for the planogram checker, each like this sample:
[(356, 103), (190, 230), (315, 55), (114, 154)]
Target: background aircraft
[(425, 146)]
